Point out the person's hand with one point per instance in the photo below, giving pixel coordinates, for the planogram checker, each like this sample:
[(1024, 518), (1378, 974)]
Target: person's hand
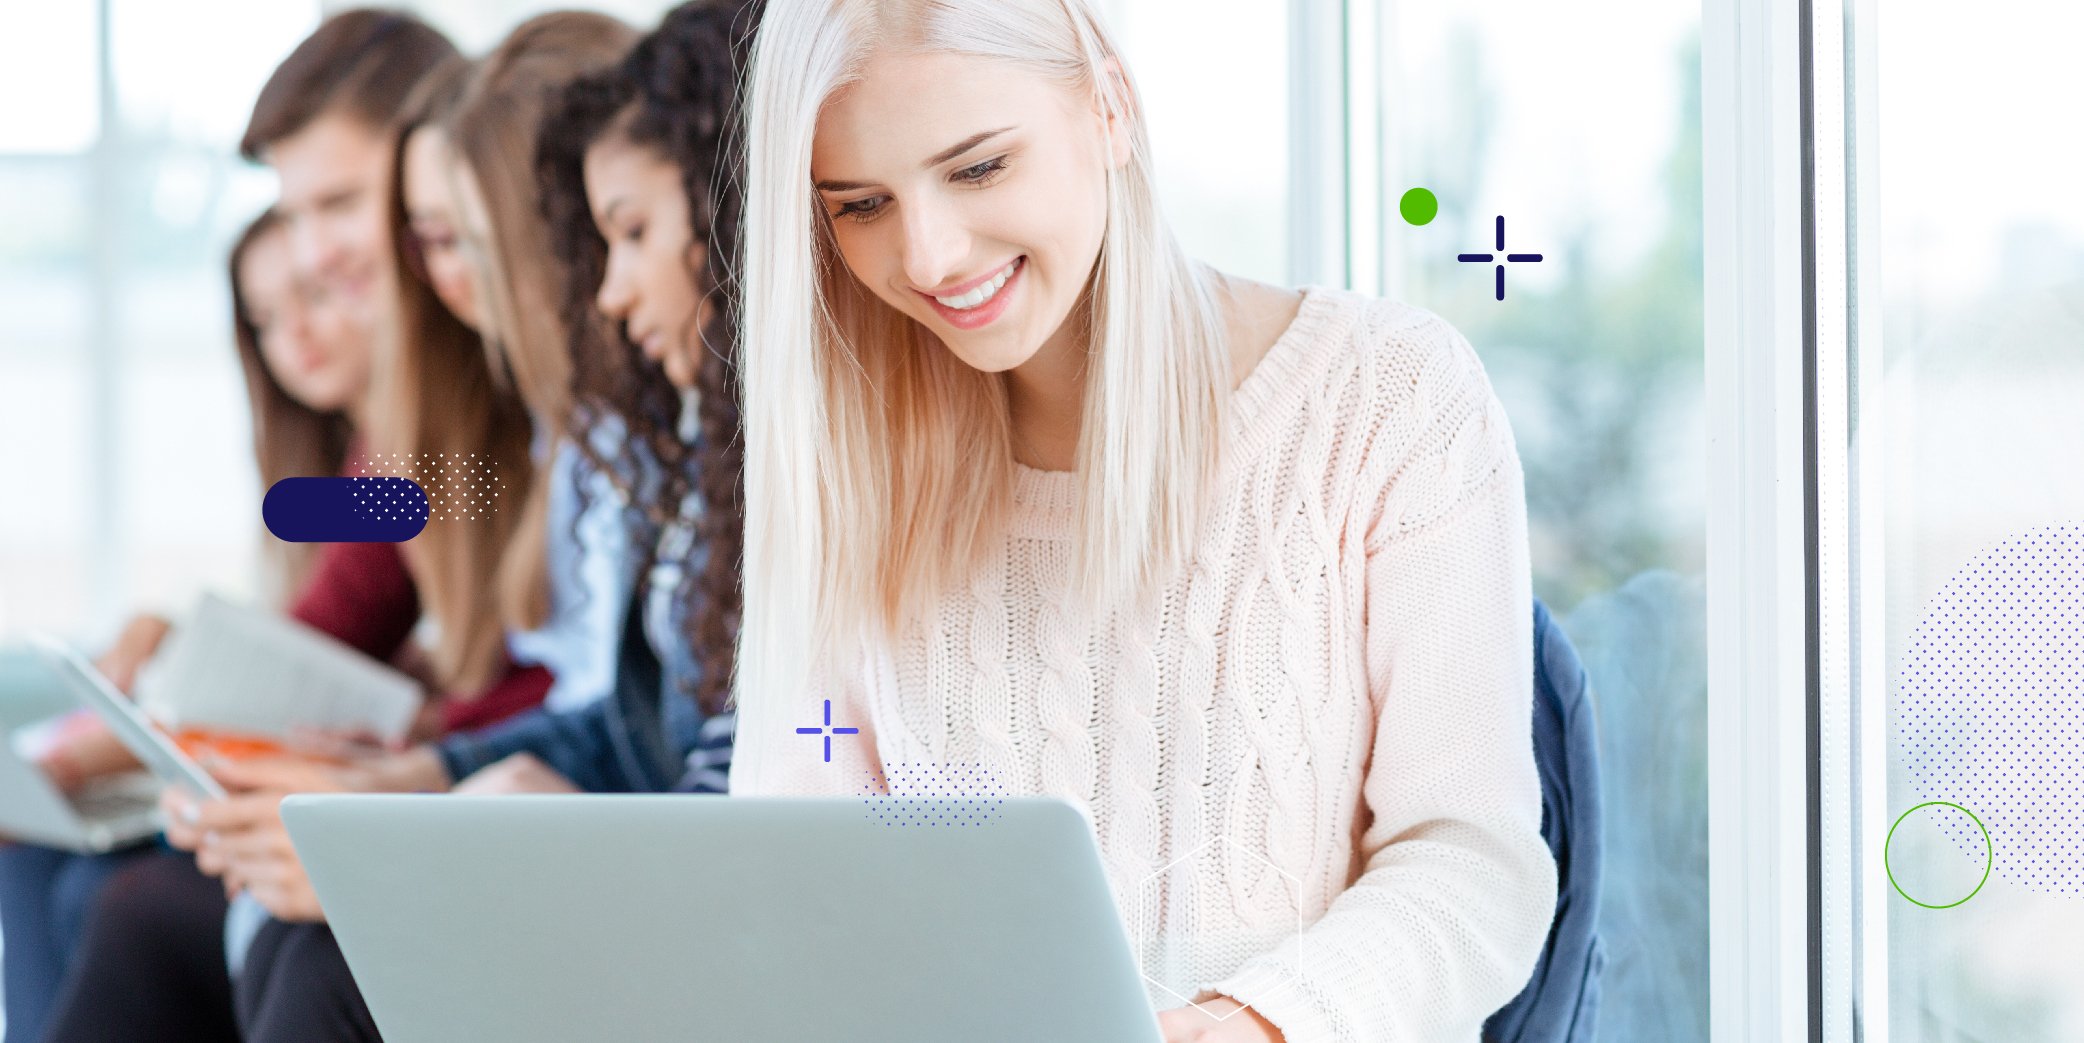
[(193, 821), (429, 723), (241, 837), (340, 747), (263, 863), (519, 773), (180, 807), (1239, 1024), (417, 769), (281, 775), (138, 640), (85, 750)]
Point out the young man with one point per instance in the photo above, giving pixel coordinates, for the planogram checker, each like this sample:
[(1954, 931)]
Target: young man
[(325, 122)]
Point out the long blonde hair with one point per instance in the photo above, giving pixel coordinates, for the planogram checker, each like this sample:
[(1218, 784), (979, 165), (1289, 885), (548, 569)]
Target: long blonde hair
[(492, 128), (439, 415), (879, 467)]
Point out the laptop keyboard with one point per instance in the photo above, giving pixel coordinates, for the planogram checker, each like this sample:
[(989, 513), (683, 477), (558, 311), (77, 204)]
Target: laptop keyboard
[(124, 795)]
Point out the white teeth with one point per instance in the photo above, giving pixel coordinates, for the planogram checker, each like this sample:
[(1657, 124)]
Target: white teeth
[(984, 292)]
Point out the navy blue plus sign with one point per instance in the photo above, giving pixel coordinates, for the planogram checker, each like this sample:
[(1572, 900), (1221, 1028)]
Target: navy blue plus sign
[(822, 731), (1490, 258)]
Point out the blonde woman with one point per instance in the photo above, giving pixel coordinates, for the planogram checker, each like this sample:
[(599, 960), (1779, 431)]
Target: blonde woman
[(1240, 571)]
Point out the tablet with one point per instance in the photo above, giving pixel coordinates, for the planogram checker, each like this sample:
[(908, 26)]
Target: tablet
[(152, 747)]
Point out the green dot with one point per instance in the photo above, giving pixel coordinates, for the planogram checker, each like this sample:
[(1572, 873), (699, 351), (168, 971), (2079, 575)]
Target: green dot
[(1418, 206)]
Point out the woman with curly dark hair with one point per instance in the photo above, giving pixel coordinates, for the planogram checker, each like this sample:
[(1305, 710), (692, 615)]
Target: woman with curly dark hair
[(638, 174)]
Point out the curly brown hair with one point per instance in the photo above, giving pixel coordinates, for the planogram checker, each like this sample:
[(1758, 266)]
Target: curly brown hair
[(676, 94)]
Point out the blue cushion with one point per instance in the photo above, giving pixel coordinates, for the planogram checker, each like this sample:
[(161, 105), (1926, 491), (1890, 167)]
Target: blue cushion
[(1561, 1002)]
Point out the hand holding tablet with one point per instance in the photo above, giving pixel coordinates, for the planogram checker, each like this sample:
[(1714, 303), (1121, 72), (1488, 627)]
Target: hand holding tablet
[(152, 747)]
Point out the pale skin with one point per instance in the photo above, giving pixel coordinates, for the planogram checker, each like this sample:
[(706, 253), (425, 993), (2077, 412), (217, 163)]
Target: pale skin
[(640, 208), (938, 170), (334, 174), (434, 218)]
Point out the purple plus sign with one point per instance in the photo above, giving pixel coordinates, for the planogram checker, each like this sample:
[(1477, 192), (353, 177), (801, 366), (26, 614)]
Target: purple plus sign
[(1493, 258), (828, 728)]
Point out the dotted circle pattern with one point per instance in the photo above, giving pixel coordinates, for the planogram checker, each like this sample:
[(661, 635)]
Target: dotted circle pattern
[(1989, 709), (927, 794), (389, 499), (459, 486)]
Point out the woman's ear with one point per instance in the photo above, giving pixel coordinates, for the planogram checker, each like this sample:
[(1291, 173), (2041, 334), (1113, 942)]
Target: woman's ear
[(1116, 116)]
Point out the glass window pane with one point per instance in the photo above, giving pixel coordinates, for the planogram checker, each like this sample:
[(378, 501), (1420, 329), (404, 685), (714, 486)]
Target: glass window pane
[(1583, 135), (44, 426), (478, 25), (1214, 76), (186, 509), (47, 53), (1981, 247)]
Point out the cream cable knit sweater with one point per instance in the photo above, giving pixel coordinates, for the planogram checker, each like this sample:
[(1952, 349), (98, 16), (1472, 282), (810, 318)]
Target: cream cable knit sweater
[(1310, 769)]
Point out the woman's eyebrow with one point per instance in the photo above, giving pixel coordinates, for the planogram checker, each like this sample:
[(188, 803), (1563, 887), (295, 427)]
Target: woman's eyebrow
[(935, 160), (963, 146)]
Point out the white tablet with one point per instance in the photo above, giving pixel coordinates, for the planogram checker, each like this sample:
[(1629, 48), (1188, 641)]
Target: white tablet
[(152, 747)]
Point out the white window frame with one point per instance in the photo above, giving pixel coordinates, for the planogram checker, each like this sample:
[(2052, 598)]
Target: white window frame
[(107, 162), (1798, 944), (1320, 217), (1757, 640)]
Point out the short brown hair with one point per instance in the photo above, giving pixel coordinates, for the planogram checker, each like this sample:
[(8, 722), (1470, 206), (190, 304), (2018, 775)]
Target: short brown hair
[(362, 61)]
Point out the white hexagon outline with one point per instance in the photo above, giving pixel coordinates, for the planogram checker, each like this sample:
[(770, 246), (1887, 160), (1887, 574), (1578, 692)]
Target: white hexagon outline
[(1142, 918)]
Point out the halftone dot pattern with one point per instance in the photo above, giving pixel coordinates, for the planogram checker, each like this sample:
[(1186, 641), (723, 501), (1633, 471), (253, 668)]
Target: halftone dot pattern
[(927, 794), (459, 486), (389, 499), (1989, 710)]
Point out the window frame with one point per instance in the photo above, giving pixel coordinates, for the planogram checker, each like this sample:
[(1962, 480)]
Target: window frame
[(1798, 938)]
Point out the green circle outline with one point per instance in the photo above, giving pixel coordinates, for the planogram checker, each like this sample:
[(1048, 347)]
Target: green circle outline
[(1989, 853)]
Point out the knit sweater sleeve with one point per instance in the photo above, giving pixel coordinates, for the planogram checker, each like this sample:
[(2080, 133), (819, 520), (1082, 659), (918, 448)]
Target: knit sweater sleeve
[(1455, 887), (784, 752)]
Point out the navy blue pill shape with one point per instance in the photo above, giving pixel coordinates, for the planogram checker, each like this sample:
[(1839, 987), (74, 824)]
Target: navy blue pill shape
[(345, 510)]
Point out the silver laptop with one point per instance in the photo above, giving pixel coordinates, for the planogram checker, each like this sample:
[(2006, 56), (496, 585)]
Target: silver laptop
[(101, 817), (748, 919)]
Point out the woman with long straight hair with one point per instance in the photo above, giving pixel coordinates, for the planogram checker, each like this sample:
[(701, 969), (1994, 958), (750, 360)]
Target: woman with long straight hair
[(1240, 571), (490, 132), (636, 197)]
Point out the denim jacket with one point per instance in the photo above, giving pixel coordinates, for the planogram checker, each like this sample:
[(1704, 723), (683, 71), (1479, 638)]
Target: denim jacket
[(645, 734)]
